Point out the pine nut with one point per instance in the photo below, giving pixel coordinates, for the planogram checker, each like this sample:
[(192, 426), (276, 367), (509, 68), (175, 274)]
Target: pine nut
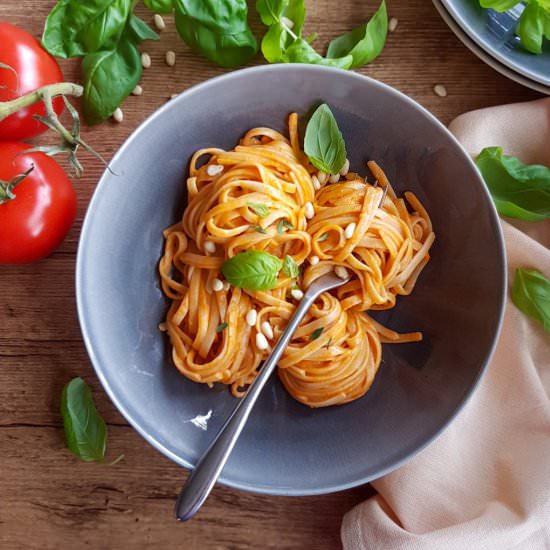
[(251, 317), (214, 169), (170, 58), (309, 211), (159, 22), (145, 60), (118, 115), (297, 294), (392, 25), (209, 246), (334, 178), (345, 169), (350, 230), (316, 183), (217, 285), (314, 260), (261, 341), (138, 90), (341, 272), (440, 90), (322, 177), (267, 330), (226, 286)]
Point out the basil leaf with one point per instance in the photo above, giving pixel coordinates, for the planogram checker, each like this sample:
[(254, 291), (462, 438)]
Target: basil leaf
[(75, 28), (109, 77), (532, 25), (316, 333), (258, 229), (498, 5), (221, 327), (290, 267), (301, 52), (218, 29), (252, 270), (273, 11), (323, 141), (260, 209), (273, 44), (159, 6), (139, 30), (85, 430), (364, 43), (518, 190), (531, 294), (275, 14)]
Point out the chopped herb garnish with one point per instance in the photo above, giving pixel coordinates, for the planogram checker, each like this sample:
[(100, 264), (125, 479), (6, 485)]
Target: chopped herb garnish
[(221, 327), (258, 229), (258, 208), (322, 238), (290, 267), (329, 343), (287, 224), (316, 333), (284, 223)]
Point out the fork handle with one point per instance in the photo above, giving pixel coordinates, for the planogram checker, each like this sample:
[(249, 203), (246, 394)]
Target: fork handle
[(207, 471)]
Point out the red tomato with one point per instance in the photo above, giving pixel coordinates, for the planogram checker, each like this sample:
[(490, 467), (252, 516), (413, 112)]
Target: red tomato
[(36, 221), (35, 68)]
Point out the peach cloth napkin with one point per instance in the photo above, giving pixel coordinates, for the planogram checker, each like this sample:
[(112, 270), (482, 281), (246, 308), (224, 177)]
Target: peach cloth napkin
[(485, 482)]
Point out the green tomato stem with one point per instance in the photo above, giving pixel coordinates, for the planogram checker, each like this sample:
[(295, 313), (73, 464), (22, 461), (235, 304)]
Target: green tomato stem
[(46, 93)]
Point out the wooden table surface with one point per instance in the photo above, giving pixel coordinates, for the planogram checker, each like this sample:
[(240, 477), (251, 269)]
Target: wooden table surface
[(48, 498)]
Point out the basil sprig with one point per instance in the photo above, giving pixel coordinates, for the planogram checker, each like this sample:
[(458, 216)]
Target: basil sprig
[(518, 190), (106, 33), (283, 42), (534, 22), (252, 270), (85, 430), (531, 294), (323, 142), (218, 29)]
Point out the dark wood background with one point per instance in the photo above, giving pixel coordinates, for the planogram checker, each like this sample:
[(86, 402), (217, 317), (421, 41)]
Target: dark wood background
[(48, 498)]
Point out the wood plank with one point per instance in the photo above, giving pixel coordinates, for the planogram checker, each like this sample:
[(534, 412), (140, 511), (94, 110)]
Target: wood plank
[(70, 504), (49, 498)]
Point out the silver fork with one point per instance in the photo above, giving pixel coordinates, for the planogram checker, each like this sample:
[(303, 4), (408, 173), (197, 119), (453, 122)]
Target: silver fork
[(204, 476)]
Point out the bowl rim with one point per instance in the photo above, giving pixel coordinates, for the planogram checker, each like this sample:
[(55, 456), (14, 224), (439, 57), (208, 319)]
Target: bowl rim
[(80, 278), (495, 53)]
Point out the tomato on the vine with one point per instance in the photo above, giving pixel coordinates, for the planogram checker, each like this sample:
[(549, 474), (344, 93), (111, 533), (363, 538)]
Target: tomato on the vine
[(35, 222), (24, 67)]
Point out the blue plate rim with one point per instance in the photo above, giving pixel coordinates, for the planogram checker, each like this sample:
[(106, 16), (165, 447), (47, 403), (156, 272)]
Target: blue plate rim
[(484, 56), (494, 53), (80, 277)]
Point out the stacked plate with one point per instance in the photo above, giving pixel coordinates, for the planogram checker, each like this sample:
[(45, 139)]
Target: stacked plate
[(491, 36)]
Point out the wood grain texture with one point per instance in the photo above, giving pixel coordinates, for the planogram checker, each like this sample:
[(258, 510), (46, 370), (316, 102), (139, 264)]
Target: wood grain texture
[(51, 500)]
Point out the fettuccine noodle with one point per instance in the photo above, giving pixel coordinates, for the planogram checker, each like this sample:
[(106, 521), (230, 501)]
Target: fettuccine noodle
[(336, 352)]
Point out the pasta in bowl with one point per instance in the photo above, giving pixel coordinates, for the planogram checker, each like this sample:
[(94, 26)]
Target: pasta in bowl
[(263, 203)]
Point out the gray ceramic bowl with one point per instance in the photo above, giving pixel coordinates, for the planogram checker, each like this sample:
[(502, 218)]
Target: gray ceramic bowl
[(288, 448), (494, 33)]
